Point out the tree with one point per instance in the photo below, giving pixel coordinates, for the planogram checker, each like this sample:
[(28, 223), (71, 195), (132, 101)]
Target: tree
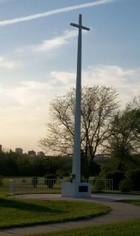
[(9, 164), (97, 109), (124, 139)]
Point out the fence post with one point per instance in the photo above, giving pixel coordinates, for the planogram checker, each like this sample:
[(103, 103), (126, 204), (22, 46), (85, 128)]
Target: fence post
[(12, 187)]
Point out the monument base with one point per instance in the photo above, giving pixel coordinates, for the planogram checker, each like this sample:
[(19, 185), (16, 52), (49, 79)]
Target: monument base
[(76, 190)]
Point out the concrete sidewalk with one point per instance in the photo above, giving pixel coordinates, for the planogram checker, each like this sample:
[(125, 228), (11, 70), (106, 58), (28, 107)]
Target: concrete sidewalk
[(120, 212)]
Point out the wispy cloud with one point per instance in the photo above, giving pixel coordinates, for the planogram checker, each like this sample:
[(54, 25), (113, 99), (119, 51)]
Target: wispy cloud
[(56, 42), (50, 44), (53, 12)]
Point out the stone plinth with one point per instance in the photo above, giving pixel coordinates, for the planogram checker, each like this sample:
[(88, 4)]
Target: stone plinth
[(76, 190)]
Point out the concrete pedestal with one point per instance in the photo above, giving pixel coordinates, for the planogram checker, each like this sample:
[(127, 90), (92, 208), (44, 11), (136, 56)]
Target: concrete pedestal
[(76, 190)]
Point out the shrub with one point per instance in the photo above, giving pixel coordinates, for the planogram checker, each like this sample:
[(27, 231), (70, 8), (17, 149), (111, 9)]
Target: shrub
[(134, 177), (117, 176), (34, 181), (99, 185), (50, 180), (125, 185), (1, 180)]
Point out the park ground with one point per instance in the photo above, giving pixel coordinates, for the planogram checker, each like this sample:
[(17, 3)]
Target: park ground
[(121, 212)]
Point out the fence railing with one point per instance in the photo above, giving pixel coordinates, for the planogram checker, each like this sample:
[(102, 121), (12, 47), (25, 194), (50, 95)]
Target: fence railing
[(40, 185), (99, 185), (34, 185)]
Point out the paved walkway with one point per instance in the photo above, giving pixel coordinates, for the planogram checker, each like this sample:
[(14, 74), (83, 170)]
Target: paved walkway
[(120, 212)]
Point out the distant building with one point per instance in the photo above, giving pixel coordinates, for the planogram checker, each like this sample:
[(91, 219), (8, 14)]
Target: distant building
[(102, 157), (41, 154), (32, 153), (19, 151)]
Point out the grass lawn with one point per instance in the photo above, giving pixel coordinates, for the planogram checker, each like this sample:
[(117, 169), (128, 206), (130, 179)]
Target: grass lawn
[(133, 201), (130, 228), (17, 212)]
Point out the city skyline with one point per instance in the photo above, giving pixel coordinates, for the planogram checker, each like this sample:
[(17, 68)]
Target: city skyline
[(38, 58)]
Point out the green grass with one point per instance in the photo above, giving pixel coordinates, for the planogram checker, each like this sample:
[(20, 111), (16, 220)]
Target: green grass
[(130, 228), (17, 212), (133, 201)]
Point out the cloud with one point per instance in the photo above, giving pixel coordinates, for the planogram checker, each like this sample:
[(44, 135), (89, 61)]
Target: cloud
[(125, 81), (49, 45), (35, 94), (63, 78), (29, 94), (6, 64), (56, 42), (53, 12)]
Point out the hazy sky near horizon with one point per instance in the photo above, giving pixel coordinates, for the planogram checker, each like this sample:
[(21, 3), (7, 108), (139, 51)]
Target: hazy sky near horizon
[(38, 53)]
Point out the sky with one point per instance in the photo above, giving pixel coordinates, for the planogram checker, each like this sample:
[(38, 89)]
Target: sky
[(38, 54)]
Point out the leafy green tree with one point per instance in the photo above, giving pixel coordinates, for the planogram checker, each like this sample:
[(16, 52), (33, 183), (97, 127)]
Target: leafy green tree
[(124, 138), (97, 109), (9, 164)]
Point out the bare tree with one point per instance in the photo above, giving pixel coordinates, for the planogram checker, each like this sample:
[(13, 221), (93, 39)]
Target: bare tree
[(97, 109)]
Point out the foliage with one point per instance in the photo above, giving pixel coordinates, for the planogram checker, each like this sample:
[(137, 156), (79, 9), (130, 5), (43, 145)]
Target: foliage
[(131, 181), (99, 186), (92, 167), (134, 178), (34, 181), (124, 139), (12, 164), (117, 176), (50, 180), (1, 180), (9, 163), (125, 185)]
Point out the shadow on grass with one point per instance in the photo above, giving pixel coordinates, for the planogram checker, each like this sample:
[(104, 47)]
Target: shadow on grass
[(26, 206)]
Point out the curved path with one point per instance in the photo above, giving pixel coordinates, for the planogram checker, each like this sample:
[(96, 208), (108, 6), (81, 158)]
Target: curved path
[(120, 212)]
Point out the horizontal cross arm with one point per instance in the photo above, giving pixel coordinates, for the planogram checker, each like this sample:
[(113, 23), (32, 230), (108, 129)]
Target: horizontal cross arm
[(79, 26)]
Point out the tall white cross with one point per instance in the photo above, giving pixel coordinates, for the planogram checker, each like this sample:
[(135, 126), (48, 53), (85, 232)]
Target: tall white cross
[(76, 165)]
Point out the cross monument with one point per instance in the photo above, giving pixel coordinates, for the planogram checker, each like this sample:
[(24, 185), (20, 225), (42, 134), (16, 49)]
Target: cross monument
[(76, 188), (76, 168)]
